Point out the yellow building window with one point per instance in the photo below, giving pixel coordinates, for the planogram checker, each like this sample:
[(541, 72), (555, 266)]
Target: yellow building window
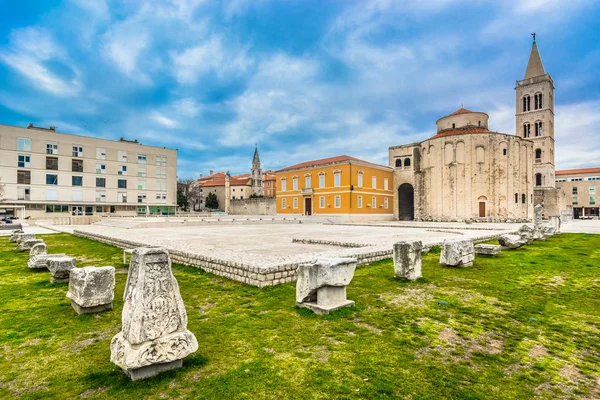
[(337, 179), (295, 183), (373, 202), (360, 179), (283, 203), (338, 202), (295, 202), (385, 203), (359, 202), (322, 180), (283, 185), (307, 182), (374, 182), (322, 202), (385, 184)]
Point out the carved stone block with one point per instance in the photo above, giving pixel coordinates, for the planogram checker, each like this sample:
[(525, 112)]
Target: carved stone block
[(20, 237), (321, 286), (511, 241), (91, 289), (487, 249), (60, 268), (457, 253), (14, 235), (154, 334), (26, 245), (407, 259)]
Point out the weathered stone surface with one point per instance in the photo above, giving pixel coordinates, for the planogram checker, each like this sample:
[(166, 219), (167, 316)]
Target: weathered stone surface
[(20, 237), (154, 319), (91, 289), (457, 253), (60, 268), (511, 241), (321, 286), (487, 249), (407, 259), (555, 221), (526, 232), (547, 230), (538, 214), (26, 245), (14, 235)]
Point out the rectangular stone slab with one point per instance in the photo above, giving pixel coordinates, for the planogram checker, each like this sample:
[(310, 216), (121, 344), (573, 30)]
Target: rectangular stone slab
[(322, 310), (91, 310), (152, 370)]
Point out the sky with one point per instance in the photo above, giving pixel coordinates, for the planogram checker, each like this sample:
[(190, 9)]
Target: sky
[(303, 79)]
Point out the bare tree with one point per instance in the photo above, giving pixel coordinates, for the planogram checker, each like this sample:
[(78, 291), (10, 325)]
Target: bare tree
[(189, 194)]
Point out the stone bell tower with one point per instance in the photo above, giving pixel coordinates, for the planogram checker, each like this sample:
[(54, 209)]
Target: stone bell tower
[(535, 122), (256, 175)]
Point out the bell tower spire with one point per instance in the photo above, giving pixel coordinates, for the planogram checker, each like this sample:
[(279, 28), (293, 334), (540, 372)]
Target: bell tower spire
[(256, 174)]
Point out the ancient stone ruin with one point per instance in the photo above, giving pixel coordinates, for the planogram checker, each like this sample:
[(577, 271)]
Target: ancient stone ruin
[(457, 253), (20, 237), (14, 235), (154, 335), (487, 249), (27, 245), (60, 268), (407, 259), (38, 256), (321, 286), (91, 289), (511, 241)]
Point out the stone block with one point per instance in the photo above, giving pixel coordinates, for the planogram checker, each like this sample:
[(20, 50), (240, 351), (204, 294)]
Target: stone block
[(457, 253), (27, 245), (14, 235), (91, 289), (407, 259), (526, 232), (487, 249), (60, 267), (321, 286), (511, 241), (555, 221), (20, 237), (154, 335)]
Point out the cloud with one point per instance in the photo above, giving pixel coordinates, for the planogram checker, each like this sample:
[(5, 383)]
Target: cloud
[(164, 121), (576, 127), (123, 44)]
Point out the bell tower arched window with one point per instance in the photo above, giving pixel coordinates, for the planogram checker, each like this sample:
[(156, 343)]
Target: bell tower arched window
[(538, 101), (407, 162), (538, 179), (398, 162), (538, 154), (538, 128), (526, 130), (526, 103)]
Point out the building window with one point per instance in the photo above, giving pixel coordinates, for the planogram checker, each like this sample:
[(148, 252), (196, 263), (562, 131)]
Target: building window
[(503, 152), (100, 182), (373, 202), (538, 154), (407, 162), (55, 208), (283, 203), (398, 162), (122, 170), (101, 168), (283, 185), (77, 151), (574, 200), (100, 153), (526, 130), (52, 195), (337, 179), (161, 160), (523, 198), (295, 183), (322, 202), (592, 200), (141, 184), (538, 179), (141, 197), (51, 179), (360, 180), (592, 189), (100, 196), (122, 156), (77, 165), (23, 193), (374, 182), (24, 161), (52, 163), (527, 103), (453, 126), (24, 177), (141, 159), (51, 148), (538, 128), (295, 202), (337, 202), (321, 180), (574, 190), (517, 198), (24, 144), (385, 203), (359, 201), (385, 184), (538, 101), (121, 197), (307, 182), (77, 181), (141, 171)]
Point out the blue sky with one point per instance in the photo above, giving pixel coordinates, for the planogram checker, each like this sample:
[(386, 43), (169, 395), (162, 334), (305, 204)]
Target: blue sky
[(303, 79)]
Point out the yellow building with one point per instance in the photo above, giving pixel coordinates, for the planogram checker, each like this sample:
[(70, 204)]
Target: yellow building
[(340, 186)]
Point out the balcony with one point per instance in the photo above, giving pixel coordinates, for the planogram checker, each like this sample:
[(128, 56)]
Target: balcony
[(307, 191)]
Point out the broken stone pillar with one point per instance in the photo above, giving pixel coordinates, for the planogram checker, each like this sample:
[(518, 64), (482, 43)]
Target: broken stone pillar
[(60, 268), (154, 335), (407, 259), (14, 235), (487, 249), (20, 237), (27, 245), (321, 286), (547, 231), (91, 289), (457, 253), (38, 256), (511, 241), (556, 222), (538, 211), (526, 232)]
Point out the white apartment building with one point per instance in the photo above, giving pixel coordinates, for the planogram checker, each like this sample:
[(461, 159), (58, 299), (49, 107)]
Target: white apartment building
[(579, 191), (45, 173)]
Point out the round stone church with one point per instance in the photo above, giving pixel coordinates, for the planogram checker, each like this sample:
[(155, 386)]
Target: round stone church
[(464, 172)]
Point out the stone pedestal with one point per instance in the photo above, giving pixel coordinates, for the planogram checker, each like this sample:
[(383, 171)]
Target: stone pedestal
[(321, 286), (487, 249), (60, 268), (91, 289), (27, 245), (14, 235), (556, 222), (457, 253), (20, 237), (407, 259), (154, 337)]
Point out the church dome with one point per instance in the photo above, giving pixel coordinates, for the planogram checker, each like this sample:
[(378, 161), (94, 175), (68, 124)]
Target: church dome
[(462, 121)]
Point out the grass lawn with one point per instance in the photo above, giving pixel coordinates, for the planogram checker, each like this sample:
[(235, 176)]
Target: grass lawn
[(525, 324)]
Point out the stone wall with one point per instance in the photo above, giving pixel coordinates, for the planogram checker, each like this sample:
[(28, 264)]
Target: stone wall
[(253, 206)]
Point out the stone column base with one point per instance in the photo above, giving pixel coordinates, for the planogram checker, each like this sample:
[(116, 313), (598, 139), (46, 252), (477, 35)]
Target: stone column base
[(152, 370), (322, 310), (59, 280), (91, 310)]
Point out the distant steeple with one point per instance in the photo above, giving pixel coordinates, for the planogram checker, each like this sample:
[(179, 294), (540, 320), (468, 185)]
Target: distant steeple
[(256, 159), (534, 66)]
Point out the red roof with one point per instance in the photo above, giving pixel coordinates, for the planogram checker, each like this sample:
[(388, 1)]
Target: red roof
[(578, 171), (323, 161), (461, 131), (218, 175), (221, 182), (461, 110)]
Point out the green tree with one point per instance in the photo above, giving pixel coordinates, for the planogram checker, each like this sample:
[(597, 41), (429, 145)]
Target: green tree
[(182, 199), (212, 201)]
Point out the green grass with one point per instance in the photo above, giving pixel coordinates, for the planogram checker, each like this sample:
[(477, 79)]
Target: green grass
[(521, 325)]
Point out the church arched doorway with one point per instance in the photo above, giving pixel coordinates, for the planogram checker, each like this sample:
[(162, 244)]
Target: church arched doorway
[(406, 202)]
